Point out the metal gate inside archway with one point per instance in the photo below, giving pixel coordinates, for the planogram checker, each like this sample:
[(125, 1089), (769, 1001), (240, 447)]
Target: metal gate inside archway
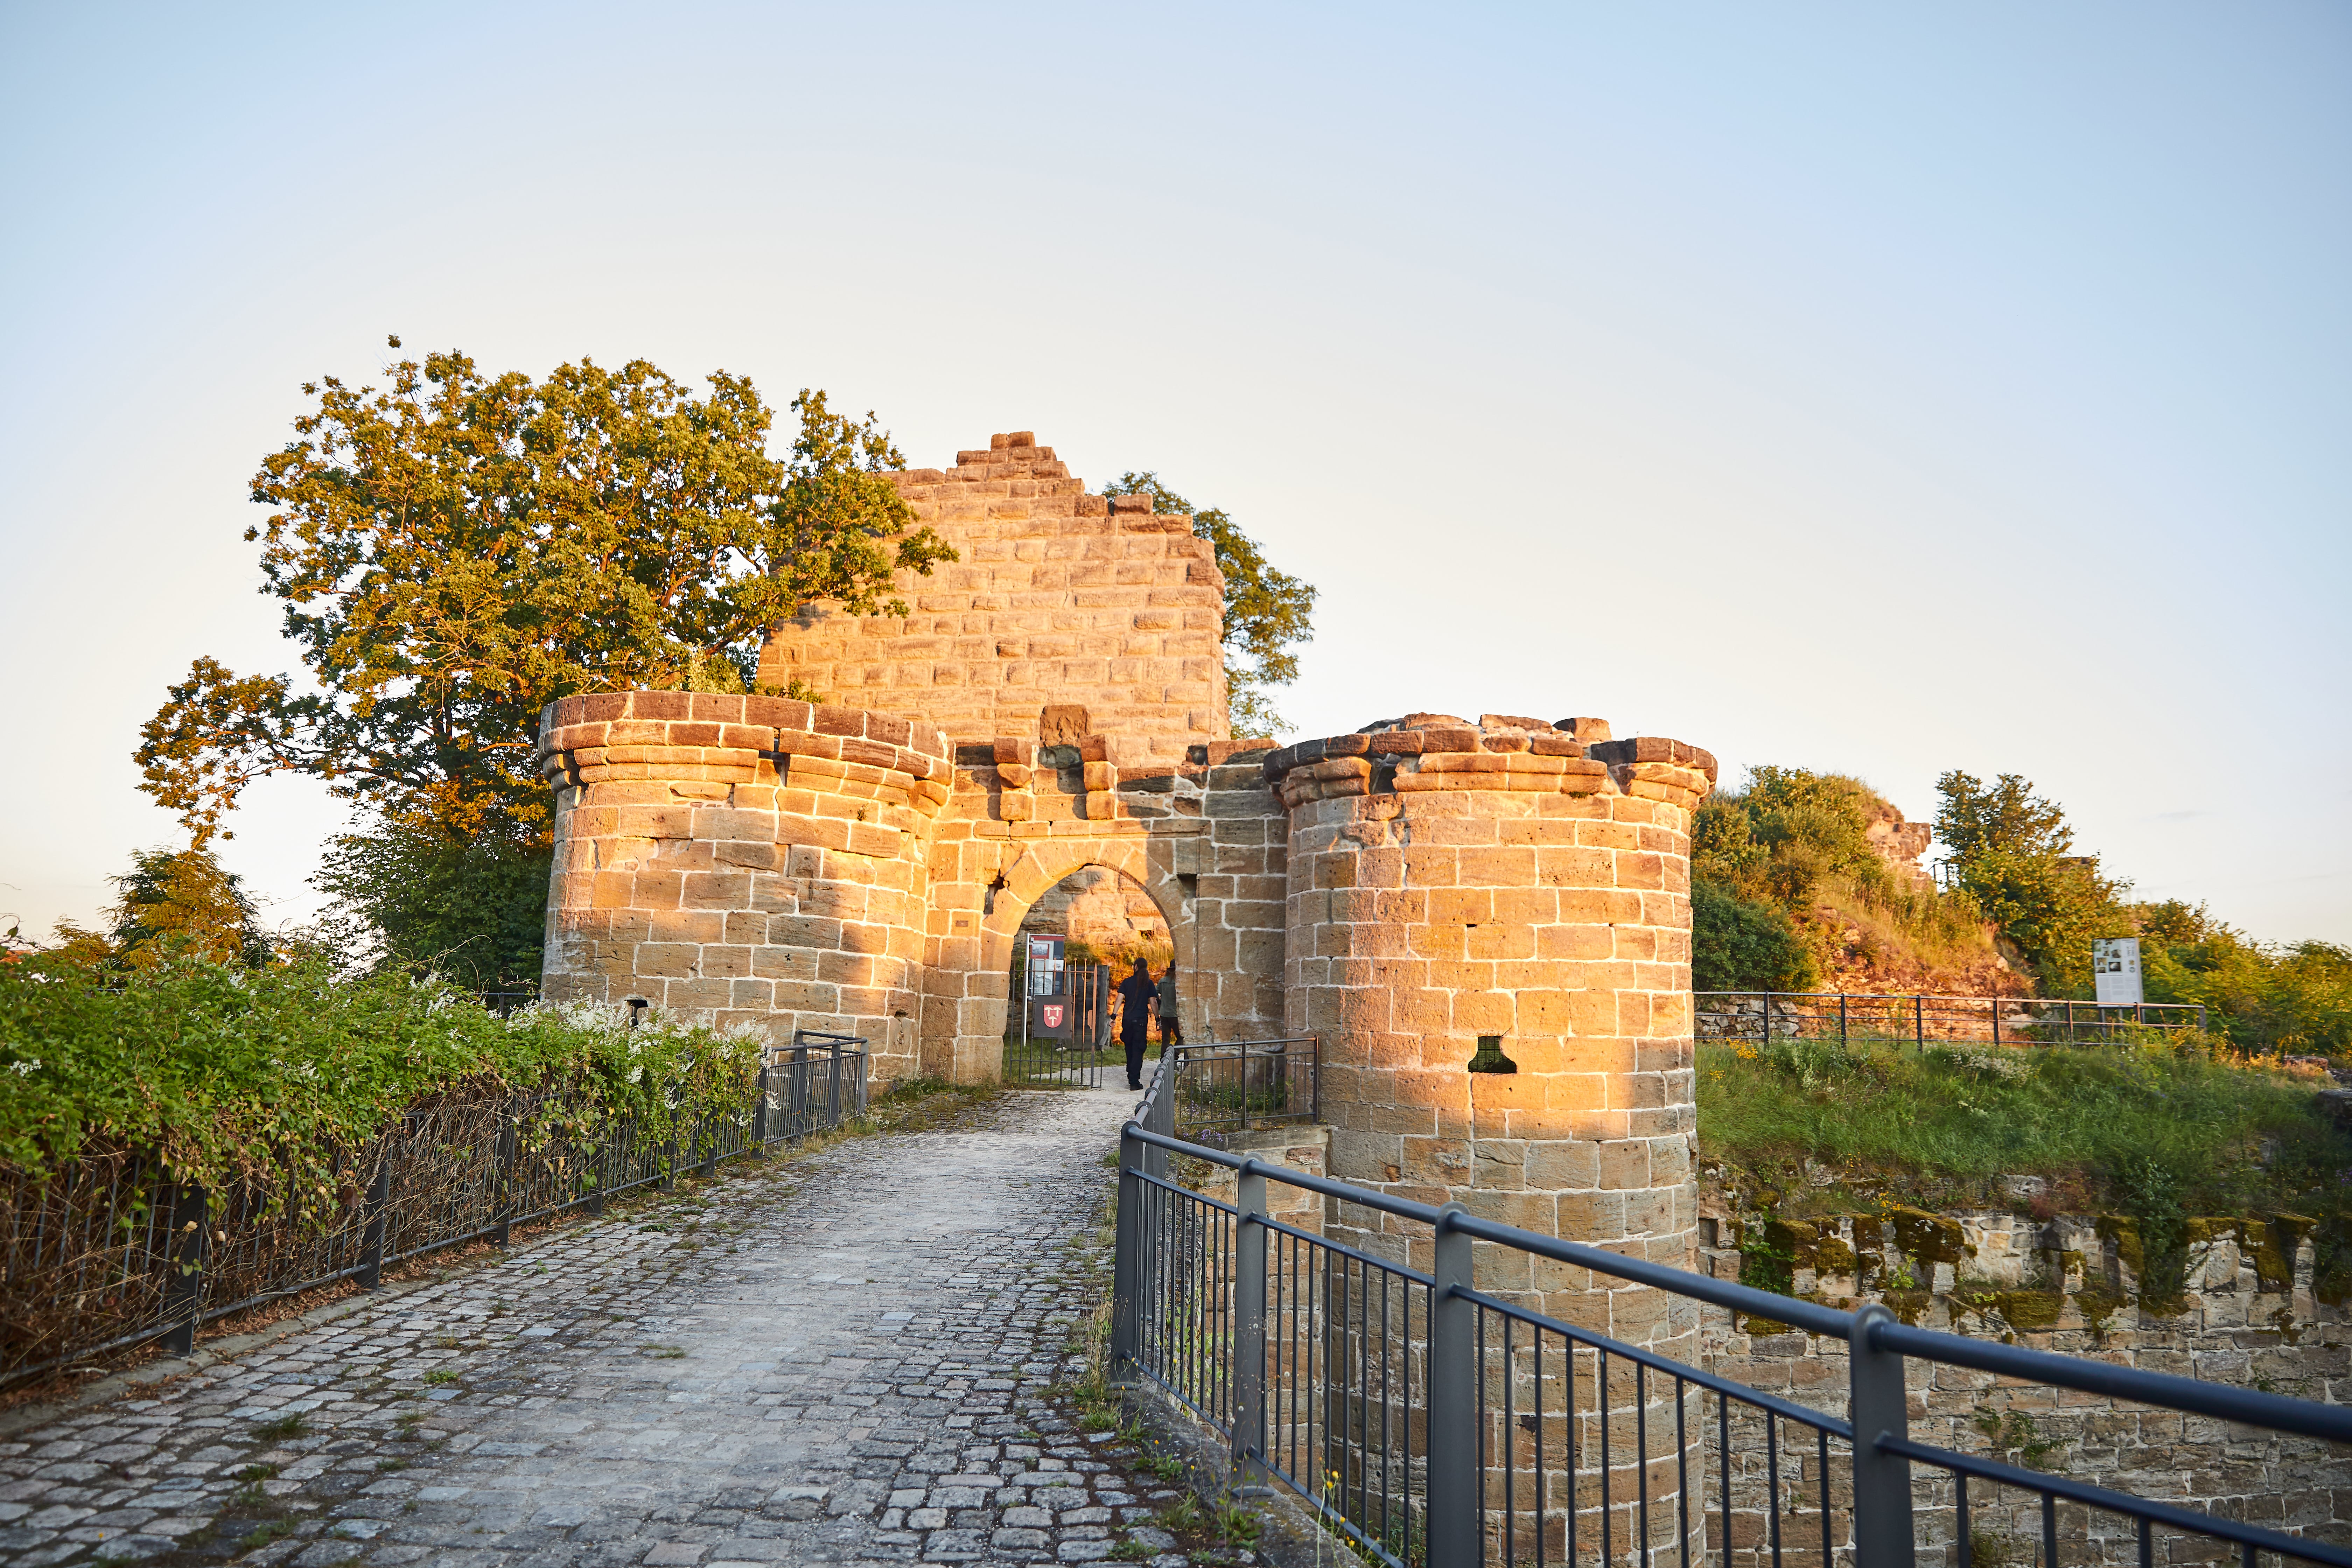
[(1060, 1020)]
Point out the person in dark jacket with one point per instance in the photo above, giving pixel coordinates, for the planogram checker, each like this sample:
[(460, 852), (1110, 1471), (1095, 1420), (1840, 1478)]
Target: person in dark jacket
[(1136, 994), (1169, 1035)]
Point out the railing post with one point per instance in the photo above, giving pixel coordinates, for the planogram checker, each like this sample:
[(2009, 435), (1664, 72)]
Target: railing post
[(1314, 1088), (1249, 1329), (1160, 1116), (183, 1287), (1456, 1489), (1841, 1021), (1126, 1258), (1920, 1023), (379, 1199), (506, 1158), (1882, 1482), (832, 1106), (759, 1107)]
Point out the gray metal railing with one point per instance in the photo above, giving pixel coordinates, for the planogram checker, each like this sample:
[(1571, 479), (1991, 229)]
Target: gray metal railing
[(1245, 1084), (1923, 1020), (112, 1251), (1432, 1423)]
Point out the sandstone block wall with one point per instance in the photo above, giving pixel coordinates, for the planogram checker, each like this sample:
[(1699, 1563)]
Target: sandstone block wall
[(1093, 605), (1505, 893), (2251, 1315), (749, 858)]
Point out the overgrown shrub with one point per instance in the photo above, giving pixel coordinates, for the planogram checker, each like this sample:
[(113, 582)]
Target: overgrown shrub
[(1785, 879), (1740, 946), (221, 1072)]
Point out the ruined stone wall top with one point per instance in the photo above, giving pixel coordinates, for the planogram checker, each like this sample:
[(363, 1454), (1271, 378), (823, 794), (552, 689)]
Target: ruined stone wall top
[(1096, 608)]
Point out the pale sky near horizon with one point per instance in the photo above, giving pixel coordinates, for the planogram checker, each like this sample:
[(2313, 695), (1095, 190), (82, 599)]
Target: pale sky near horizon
[(1854, 388)]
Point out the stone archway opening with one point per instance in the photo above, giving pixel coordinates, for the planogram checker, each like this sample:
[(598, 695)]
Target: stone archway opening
[(1095, 923), (1106, 916)]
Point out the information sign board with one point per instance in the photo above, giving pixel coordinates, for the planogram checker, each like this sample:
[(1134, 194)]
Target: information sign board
[(2115, 964)]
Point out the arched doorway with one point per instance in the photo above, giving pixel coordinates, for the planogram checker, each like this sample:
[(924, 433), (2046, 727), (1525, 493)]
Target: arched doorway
[(1073, 945), (981, 893)]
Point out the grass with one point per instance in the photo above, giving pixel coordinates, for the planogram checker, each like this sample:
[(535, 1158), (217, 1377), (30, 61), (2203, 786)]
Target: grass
[(2102, 1125), (264, 1533), (284, 1426)]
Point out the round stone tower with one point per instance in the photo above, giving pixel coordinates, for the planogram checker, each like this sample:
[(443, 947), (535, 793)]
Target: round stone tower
[(745, 858), (1489, 926)]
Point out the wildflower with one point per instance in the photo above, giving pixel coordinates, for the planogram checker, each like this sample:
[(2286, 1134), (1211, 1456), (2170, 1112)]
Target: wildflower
[(27, 1067)]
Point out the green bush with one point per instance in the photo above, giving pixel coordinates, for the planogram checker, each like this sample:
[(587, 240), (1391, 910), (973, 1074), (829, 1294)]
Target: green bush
[(1789, 860), (1740, 946), (220, 1071), (2295, 1000)]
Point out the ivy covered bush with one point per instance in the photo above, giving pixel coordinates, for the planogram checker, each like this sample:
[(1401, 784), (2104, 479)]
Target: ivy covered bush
[(221, 1071)]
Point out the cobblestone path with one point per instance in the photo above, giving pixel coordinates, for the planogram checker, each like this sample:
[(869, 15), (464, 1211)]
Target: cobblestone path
[(843, 1363)]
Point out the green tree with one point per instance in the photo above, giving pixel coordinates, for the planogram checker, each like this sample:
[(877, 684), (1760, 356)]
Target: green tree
[(1267, 612), (2295, 998), (2008, 817), (473, 911), (457, 551), (2009, 851), (172, 904)]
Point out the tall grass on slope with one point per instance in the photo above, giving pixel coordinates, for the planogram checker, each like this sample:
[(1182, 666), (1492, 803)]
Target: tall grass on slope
[(2217, 1136)]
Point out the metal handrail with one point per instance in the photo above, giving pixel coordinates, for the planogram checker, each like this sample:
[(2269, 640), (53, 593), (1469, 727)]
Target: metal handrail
[(1455, 1456), (1274, 1049), (2050, 1486), (1913, 1009)]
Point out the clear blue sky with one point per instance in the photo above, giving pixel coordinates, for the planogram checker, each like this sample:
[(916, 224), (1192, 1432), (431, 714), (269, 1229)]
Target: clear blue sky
[(1868, 388)]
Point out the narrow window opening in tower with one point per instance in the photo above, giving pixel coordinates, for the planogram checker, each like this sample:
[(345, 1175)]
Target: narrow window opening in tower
[(1490, 1056)]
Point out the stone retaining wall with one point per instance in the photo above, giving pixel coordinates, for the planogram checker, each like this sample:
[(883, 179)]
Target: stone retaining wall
[(2249, 1317)]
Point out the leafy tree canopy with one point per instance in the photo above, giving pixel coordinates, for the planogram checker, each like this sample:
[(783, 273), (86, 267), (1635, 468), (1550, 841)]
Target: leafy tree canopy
[(2009, 851), (2008, 818), (172, 904), (457, 550), (1267, 611), (473, 913)]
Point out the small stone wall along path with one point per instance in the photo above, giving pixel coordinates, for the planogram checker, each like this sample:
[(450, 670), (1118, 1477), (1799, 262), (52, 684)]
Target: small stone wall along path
[(844, 1362)]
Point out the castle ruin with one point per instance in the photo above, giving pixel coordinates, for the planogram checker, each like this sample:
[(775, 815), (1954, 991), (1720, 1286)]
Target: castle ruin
[(1422, 892)]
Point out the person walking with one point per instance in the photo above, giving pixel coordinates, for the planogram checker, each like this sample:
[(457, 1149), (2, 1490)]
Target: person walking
[(1171, 1035), (1136, 993)]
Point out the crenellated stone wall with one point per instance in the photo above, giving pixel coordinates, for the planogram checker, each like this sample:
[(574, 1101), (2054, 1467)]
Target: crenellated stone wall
[(1487, 924), (1489, 927), (747, 858)]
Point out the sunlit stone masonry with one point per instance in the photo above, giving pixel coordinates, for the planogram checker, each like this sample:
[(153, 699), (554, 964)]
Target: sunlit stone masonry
[(1486, 922)]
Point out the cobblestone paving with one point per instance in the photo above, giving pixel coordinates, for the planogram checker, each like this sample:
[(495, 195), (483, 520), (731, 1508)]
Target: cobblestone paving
[(846, 1362)]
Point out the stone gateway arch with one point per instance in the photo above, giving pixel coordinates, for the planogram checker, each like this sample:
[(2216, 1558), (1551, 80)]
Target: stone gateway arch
[(1425, 892)]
